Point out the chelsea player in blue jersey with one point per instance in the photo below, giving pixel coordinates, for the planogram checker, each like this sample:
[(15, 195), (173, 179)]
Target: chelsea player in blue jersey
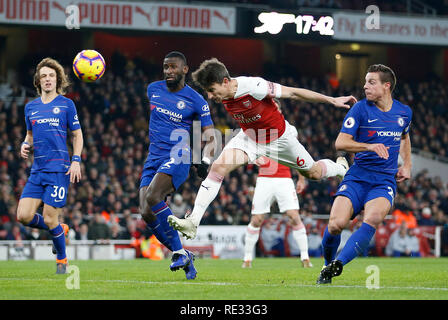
[(377, 130), (174, 105), (47, 119)]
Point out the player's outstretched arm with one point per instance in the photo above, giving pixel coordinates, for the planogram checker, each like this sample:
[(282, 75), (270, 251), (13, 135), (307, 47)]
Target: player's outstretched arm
[(75, 168), (346, 142), (404, 172), (312, 96), (26, 144)]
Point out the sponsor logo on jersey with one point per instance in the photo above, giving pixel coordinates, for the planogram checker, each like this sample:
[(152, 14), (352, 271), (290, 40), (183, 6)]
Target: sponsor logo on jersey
[(51, 121), (205, 108), (343, 187), (241, 119), (389, 133), (177, 117)]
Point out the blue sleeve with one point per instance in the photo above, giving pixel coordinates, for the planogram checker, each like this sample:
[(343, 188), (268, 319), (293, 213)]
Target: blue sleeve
[(408, 124), (72, 117), (204, 113), (149, 91), (27, 120), (352, 120)]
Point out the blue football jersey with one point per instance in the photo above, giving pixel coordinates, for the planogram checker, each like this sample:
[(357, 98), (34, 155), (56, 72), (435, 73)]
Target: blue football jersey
[(49, 123), (368, 124), (172, 115)]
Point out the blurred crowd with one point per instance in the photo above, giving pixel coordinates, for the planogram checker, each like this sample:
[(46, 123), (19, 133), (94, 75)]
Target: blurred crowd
[(114, 118)]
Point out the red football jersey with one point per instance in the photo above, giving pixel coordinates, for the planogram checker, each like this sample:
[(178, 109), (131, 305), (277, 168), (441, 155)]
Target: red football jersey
[(253, 107), (272, 169)]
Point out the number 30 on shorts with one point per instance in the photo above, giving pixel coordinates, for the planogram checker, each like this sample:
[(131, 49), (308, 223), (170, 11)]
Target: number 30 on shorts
[(58, 192)]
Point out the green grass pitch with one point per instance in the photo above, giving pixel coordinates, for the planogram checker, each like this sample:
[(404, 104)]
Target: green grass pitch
[(269, 279)]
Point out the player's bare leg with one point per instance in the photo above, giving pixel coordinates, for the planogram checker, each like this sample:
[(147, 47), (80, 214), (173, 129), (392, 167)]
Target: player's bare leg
[(26, 209), (299, 235), (251, 237), (228, 160)]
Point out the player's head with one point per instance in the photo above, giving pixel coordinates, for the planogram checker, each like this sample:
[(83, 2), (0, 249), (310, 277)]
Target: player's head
[(214, 78), (175, 69), (50, 76), (380, 81)]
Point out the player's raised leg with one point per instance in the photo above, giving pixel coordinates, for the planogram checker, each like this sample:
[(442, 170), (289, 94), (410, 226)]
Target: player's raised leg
[(229, 160), (26, 213), (327, 168)]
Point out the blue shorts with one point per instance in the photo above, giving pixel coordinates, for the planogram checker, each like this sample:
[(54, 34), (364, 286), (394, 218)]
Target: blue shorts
[(361, 186), (178, 170), (51, 187)]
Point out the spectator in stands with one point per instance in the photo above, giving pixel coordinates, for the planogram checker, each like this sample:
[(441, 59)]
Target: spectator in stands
[(98, 229), (402, 243), (426, 218), (405, 216), (83, 232)]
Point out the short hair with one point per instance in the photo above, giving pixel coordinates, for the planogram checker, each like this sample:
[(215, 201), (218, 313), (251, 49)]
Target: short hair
[(177, 54), (386, 74), (62, 81), (210, 71)]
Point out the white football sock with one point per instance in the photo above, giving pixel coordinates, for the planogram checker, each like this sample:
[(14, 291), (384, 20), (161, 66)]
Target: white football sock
[(250, 240), (299, 234), (206, 194), (331, 168)]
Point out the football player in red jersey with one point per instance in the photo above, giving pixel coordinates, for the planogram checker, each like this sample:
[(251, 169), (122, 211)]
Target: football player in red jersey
[(265, 132)]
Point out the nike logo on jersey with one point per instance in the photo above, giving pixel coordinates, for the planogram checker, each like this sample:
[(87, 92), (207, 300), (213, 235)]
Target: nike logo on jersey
[(369, 121), (33, 113), (205, 187), (154, 96)]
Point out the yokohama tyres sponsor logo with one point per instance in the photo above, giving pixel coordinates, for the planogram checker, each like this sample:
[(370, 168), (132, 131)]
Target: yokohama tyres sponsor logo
[(169, 113), (389, 134), (51, 121)]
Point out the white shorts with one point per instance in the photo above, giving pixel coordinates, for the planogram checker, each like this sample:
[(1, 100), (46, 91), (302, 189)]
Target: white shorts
[(286, 150), (268, 190)]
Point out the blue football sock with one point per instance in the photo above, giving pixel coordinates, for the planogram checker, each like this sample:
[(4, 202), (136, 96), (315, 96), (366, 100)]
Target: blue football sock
[(59, 241), (162, 211), (330, 245), (357, 243), (38, 222), (159, 232)]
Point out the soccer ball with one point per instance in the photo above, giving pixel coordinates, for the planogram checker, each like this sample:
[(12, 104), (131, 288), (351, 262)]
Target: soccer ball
[(89, 65)]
